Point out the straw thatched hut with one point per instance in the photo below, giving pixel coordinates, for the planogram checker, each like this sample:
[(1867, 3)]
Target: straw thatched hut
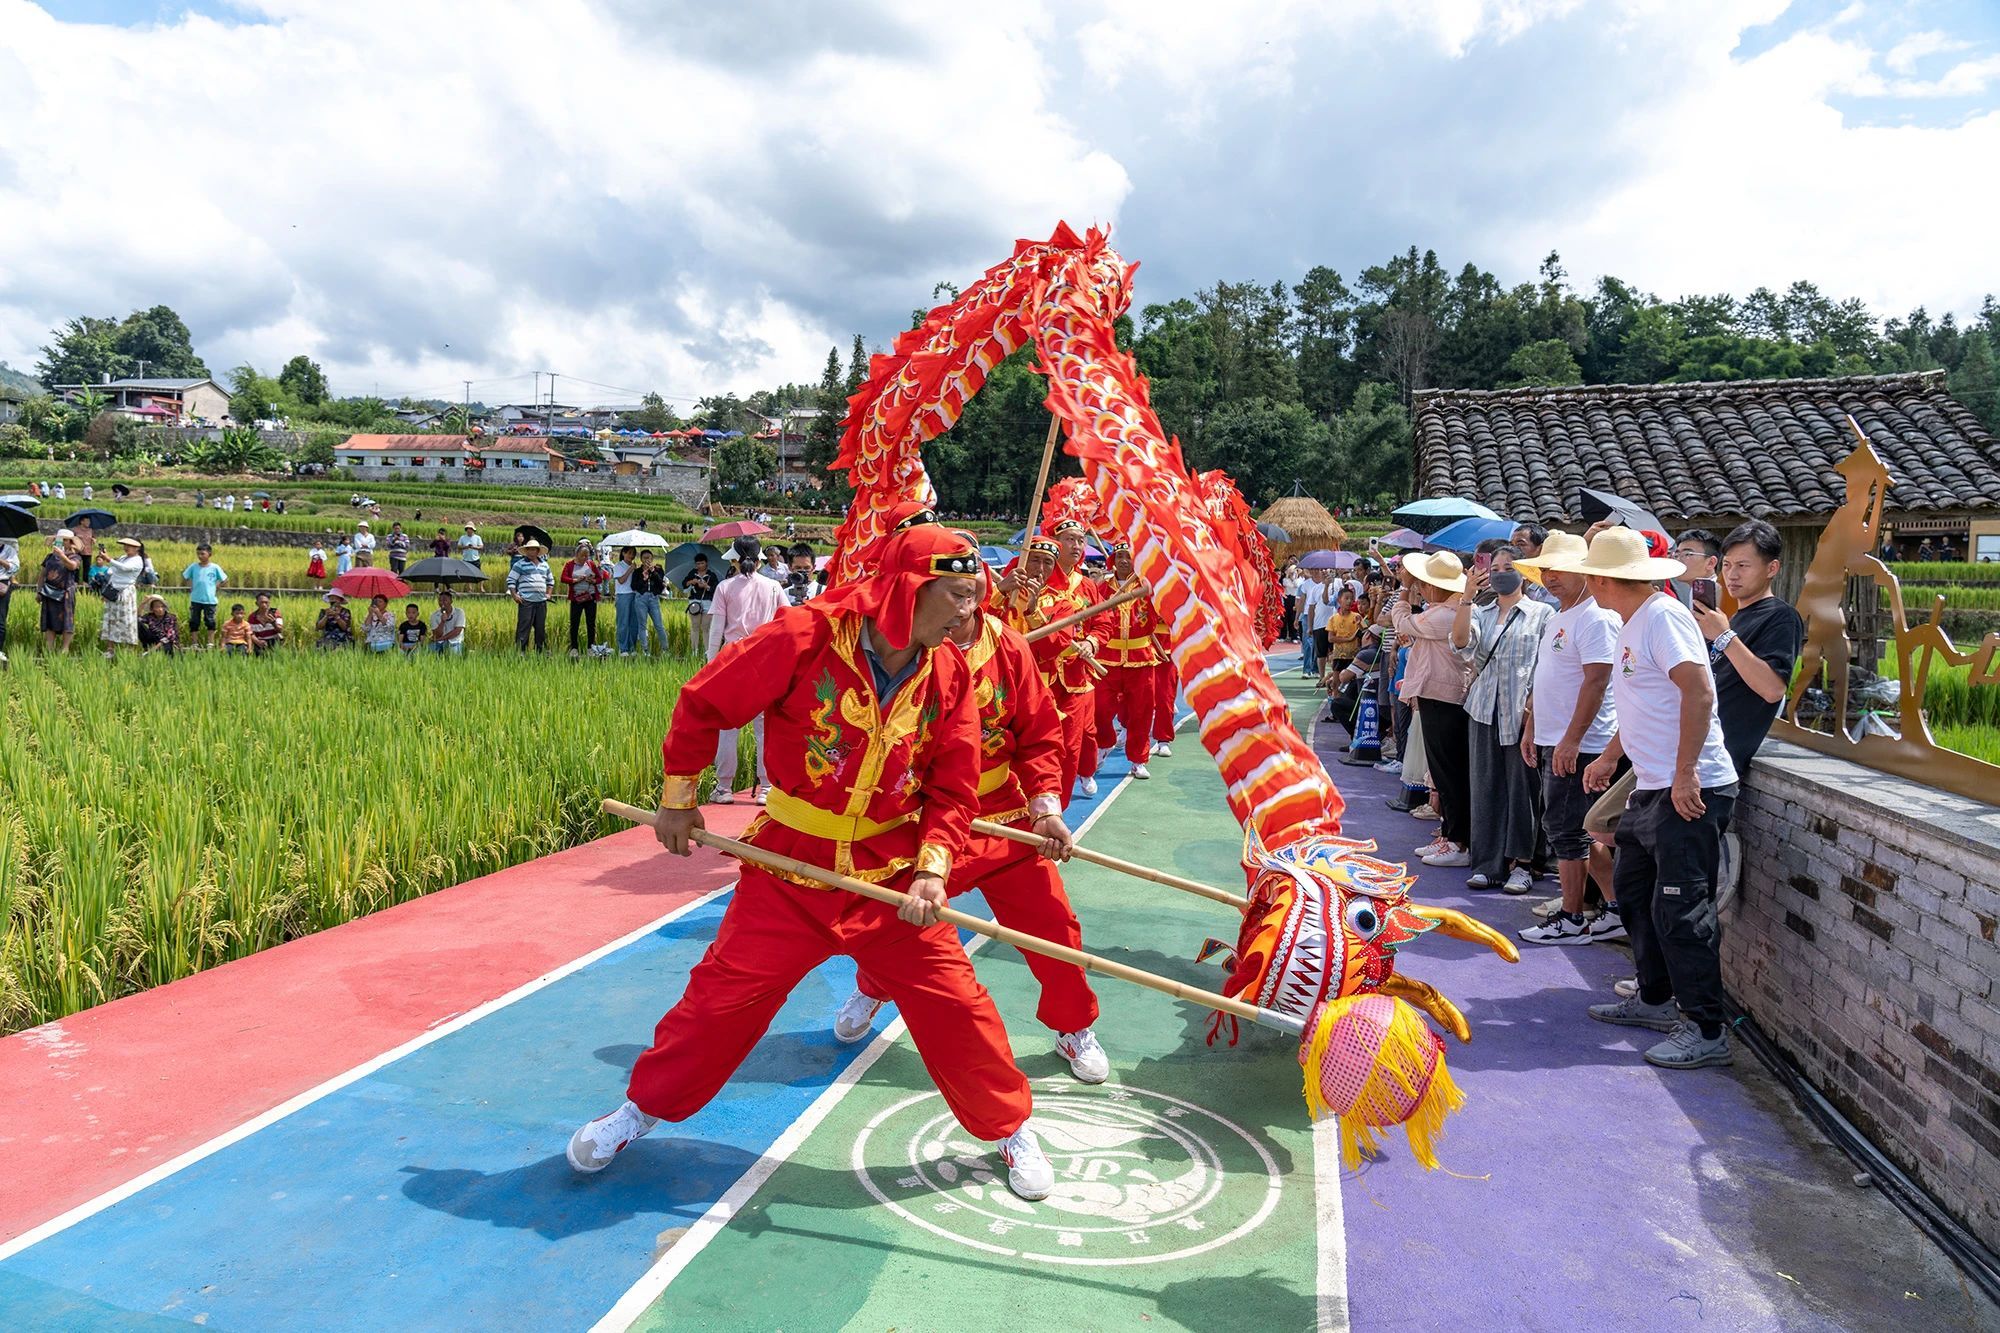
[(1307, 523)]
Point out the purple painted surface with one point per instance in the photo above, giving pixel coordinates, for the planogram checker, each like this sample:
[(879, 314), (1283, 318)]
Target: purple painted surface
[(1581, 1187)]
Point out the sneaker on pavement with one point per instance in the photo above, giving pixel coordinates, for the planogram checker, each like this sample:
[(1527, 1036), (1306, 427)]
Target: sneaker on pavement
[(1089, 786), (1626, 986), (856, 1018), (1140, 771), (1548, 907), (759, 792), (1686, 1048), (1633, 1012), (1389, 766), (1400, 801), (1481, 881), (1519, 880), (1452, 855), (1087, 1059), (722, 797), (1428, 810), (1607, 924), (1028, 1172), (1436, 844), (593, 1146), (1562, 928), (1162, 750)]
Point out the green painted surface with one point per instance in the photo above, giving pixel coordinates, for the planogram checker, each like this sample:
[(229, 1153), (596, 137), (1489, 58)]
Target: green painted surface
[(1188, 1178)]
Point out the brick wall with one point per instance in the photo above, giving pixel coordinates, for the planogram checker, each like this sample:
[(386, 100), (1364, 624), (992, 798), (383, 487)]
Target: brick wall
[(1863, 940)]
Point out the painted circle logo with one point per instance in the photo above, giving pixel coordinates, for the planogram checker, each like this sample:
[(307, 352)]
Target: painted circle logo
[(1141, 1177)]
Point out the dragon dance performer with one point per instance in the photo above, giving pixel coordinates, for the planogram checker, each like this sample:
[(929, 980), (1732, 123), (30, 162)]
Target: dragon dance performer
[(1021, 757), (1130, 658), (1166, 688), (872, 749), (1043, 586)]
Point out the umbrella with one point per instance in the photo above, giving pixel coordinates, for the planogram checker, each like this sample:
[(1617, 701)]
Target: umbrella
[(99, 520), (1467, 533), (1328, 560), (372, 583), (529, 531), (1430, 515), (120, 489), (996, 555), (442, 569), (679, 562), (1273, 533), (1406, 538), (635, 537), (741, 527), (21, 501), (1591, 506), (16, 521), (255, 495)]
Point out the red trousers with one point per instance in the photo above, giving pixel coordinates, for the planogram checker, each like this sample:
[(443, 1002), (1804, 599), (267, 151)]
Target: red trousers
[(1079, 715), (1126, 693), (772, 935), (1026, 894), (1166, 686)]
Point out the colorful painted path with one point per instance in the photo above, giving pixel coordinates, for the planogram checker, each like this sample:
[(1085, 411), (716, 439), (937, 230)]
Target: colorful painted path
[(365, 1130)]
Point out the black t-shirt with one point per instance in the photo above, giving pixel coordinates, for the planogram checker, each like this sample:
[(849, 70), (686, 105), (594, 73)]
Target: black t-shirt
[(649, 581), (1775, 633), (700, 585), (409, 634)]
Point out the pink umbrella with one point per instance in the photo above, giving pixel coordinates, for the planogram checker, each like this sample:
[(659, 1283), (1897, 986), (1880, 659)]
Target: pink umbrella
[(371, 583), (739, 527)]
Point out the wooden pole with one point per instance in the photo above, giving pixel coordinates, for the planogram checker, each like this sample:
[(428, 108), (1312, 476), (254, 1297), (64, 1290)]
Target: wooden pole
[(1019, 939), (1042, 481), (1132, 868), (1078, 617)]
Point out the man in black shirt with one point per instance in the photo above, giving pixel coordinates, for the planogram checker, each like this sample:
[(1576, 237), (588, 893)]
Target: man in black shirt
[(1752, 653), (699, 586)]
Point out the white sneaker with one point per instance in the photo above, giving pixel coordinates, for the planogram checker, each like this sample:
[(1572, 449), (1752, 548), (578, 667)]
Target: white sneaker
[(1481, 881), (1087, 1059), (1089, 786), (1162, 750), (1028, 1171), (593, 1146), (1140, 771), (1562, 928), (1450, 855), (722, 797), (1608, 924), (856, 1018), (1519, 880), (759, 793)]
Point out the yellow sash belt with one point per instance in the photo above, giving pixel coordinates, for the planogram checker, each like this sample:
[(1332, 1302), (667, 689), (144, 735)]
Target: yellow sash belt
[(809, 819)]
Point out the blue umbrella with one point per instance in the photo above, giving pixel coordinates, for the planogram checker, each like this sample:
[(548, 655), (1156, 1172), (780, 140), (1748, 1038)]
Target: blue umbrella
[(1430, 515), (996, 555), (1019, 537), (1467, 533)]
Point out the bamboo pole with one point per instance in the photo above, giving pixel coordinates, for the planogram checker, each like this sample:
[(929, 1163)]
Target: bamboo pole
[(1042, 480), (1078, 617), (1132, 868), (991, 930)]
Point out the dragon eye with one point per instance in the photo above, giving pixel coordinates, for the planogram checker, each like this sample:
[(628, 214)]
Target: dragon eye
[(1363, 919)]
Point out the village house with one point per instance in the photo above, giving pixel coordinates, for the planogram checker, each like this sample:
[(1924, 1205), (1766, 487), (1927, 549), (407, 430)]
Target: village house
[(404, 451), (161, 401)]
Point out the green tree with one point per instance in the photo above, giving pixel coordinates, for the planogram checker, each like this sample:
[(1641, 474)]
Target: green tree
[(303, 379), (1541, 364), (1372, 445), (743, 462), (1976, 383), (238, 449), (157, 343), (654, 414), (82, 351), (822, 444), (857, 366), (1264, 445), (253, 396), (1323, 324)]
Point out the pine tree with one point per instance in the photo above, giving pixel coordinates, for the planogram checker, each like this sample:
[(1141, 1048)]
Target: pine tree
[(857, 366), (823, 436), (1976, 383)]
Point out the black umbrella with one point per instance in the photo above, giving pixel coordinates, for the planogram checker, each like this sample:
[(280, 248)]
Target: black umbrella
[(99, 520), (16, 521), (120, 489), (21, 501), (443, 569), (679, 562), (1273, 533), (1594, 506), (529, 530)]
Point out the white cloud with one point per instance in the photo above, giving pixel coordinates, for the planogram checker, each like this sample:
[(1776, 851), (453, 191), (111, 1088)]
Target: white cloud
[(1902, 58)]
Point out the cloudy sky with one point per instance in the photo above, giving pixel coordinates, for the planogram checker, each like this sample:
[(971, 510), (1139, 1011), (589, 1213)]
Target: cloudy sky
[(692, 197)]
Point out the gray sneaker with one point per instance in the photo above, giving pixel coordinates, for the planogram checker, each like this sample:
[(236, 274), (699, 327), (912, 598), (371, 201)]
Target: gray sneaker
[(1686, 1048), (1634, 1012)]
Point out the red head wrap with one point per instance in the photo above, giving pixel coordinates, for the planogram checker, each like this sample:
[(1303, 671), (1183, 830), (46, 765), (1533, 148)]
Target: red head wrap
[(1064, 527), (908, 560), (1045, 545)]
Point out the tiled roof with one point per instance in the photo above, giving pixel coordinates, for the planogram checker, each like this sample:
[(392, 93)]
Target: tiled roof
[(406, 444), (1753, 448)]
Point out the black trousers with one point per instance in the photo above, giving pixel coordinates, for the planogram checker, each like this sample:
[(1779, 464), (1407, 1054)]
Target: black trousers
[(1664, 878), (531, 618), (1448, 756), (587, 613)]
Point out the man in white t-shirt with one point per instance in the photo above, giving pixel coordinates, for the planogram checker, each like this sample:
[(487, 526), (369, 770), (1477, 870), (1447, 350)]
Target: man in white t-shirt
[(1670, 838), (1570, 720), (1312, 596), (471, 546)]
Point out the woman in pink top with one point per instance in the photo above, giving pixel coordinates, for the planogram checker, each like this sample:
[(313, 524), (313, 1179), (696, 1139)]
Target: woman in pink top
[(1434, 680)]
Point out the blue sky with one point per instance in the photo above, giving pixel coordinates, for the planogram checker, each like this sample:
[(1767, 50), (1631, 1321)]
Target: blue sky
[(676, 195)]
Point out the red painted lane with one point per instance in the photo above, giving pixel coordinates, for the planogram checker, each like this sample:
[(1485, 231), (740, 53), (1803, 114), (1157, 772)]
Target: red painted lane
[(91, 1101)]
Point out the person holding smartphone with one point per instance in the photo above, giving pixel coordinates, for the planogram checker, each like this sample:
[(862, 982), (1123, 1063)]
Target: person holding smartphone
[(1752, 652)]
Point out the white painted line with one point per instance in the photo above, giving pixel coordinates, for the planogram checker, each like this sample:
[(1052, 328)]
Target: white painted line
[(1329, 1228), (339, 1081), (653, 1284)]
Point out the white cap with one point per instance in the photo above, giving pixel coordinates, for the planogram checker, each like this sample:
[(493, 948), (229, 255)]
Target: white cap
[(62, 533)]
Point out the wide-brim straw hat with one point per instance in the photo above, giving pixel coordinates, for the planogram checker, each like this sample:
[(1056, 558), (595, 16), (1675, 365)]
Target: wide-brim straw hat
[(332, 593), (1557, 547), (1440, 569), (470, 526), (530, 545), (130, 541), (1616, 553)]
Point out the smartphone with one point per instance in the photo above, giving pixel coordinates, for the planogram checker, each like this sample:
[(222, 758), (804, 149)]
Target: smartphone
[(1483, 561), (1704, 593)]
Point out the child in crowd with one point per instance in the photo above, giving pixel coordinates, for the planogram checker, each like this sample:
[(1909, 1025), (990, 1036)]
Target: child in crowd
[(1343, 637), (236, 631), (378, 627), (343, 556), (316, 562), (410, 634)]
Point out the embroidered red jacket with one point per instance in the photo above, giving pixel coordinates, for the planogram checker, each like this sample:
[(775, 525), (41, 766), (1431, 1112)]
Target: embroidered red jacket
[(1020, 731), (1058, 654), (1126, 632), (858, 789)]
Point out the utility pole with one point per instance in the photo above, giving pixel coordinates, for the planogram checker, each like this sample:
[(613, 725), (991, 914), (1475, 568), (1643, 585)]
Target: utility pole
[(468, 405), (549, 419)]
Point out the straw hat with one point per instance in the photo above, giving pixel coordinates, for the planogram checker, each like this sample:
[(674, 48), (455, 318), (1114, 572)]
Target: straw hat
[(1615, 553), (470, 526), (130, 541), (1441, 569), (1558, 547), (332, 593), (361, 523), (530, 545)]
